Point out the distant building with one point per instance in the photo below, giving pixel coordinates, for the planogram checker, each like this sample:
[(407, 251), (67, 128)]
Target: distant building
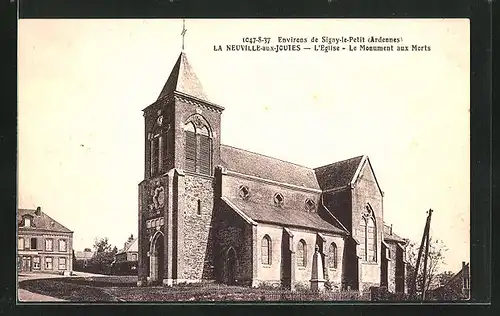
[(43, 244), (129, 252), (83, 257), (125, 262), (457, 288)]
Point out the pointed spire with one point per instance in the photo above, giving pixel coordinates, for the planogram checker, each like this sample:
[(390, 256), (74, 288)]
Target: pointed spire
[(183, 79)]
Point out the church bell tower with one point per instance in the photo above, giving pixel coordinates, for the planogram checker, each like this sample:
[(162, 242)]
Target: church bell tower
[(182, 140)]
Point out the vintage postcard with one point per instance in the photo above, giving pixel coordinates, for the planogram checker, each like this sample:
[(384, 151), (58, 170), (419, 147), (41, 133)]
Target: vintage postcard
[(243, 160)]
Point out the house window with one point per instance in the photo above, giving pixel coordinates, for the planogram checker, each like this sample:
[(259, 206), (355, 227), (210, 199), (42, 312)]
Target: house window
[(27, 222), (33, 243), (62, 245), (279, 199), (333, 256), (266, 250), (198, 146), (20, 243), (48, 263), (301, 253), (198, 210), (148, 224), (62, 263), (134, 257), (49, 246), (36, 263)]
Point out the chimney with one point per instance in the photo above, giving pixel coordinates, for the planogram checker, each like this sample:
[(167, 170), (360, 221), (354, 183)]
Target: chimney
[(391, 229), (38, 211)]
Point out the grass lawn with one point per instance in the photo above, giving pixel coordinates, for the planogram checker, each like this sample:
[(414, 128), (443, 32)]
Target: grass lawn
[(124, 289)]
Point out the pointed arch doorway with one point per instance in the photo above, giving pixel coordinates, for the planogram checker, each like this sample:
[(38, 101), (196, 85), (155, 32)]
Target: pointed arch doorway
[(231, 263), (156, 258)]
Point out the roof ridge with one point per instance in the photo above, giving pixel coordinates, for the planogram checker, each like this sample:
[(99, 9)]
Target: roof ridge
[(255, 153), (331, 164)]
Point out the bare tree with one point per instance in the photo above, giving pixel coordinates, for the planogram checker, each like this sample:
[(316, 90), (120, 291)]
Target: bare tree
[(435, 259)]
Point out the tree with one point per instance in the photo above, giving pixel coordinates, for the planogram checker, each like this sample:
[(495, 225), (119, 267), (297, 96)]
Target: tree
[(105, 254), (444, 277), (435, 259), (102, 245), (130, 238)]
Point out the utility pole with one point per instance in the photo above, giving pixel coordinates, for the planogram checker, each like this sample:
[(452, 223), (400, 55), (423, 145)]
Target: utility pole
[(424, 243)]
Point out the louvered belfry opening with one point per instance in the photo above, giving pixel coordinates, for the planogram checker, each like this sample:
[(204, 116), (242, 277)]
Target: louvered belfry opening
[(198, 148)]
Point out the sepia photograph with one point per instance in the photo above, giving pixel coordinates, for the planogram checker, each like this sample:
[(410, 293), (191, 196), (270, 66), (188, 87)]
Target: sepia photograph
[(243, 160)]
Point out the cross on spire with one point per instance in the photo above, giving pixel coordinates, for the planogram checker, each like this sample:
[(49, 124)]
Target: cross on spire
[(183, 33)]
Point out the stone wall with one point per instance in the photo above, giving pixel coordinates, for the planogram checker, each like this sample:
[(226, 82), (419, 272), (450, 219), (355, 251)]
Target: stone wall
[(195, 245), (269, 274), (233, 232), (391, 268)]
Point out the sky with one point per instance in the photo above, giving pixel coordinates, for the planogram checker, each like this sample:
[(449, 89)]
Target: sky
[(83, 85)]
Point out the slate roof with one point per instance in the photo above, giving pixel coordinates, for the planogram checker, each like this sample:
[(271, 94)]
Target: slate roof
[(388, 236), (337, 174), (265, 213), (257, 165), (42, 221), (183, 79)]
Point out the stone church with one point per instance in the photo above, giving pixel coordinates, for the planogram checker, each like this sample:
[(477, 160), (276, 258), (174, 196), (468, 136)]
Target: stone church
[(212, 212)]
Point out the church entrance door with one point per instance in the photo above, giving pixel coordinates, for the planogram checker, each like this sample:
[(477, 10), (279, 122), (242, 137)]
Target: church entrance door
[(231, 266), (156, 255)]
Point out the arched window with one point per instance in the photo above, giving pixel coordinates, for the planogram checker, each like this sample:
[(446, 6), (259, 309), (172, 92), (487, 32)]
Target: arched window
[(362, 239), (205, 151), (159, 145), (368, 236), (301, 253), (190, 132), (198, 147), (266, 253), (333, 256), (371, 240)]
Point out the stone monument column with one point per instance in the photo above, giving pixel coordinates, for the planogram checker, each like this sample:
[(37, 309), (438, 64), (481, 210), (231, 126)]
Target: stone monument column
[(317, 277)]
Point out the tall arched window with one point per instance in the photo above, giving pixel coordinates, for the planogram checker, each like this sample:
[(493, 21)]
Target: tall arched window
[(371, 240), (205, 150), (159, 144), (266, 254), (190, 132), (198, 148), (333, 256), (362, 237), (301, 253), (368, 236)]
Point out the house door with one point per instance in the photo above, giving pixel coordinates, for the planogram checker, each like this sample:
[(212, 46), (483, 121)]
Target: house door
[(231, 267), (26, 264)]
